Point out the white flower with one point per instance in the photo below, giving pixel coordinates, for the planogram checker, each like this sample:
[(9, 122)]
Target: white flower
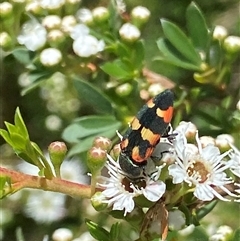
[(202, 171), (62, 234), (100, 14), (129, 32), (74, 171), (45, 207), (79, 30), (33, 35), (51, 4), (235, 161), (87, 46), (50, 57), (232, 44), (119, 193), (176, 219), (238, 192), (84, 15), (53, 122)]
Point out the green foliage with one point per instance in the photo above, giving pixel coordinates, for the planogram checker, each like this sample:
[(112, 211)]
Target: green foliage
[(18, 138), (83, 130)]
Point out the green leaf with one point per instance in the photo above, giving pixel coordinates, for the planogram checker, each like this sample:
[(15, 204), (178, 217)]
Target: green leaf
[(202, 212), (6, 136), (114, 232), (36, 78), (236, 235), (93, 96), (117, 69), (172, 56), (18, 120), (97, 231), (181, 42), (22, 55), (197, 27), (138, 55), (88, 126)]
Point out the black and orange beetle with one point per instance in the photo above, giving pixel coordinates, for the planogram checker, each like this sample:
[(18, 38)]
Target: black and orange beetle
[(144, 133)]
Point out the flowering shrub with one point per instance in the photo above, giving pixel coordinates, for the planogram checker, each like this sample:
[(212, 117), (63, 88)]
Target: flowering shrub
[(93, 61)]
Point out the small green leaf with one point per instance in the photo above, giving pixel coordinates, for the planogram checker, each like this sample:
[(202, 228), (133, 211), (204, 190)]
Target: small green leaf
[(181, 42), (114, 232), (89, 93), (97, 231), (138, 55), (117, 69), (236, 235), (18, 120), (22, 55), (197, 27), (202, 212), (172, 56), (6, 136)]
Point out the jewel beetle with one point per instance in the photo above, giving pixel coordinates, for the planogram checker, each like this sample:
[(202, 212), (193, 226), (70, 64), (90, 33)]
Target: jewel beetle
[(144, 133)]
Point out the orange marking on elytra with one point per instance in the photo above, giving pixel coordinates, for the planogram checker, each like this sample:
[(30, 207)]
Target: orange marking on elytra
[(124, 144), (150, 103), (135, 124), (147, 134), (165, 114)]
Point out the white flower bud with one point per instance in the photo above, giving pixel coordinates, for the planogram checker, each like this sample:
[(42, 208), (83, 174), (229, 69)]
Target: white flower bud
[(140, 15), (232, 44), (176, 220), (34, 7), (51, 4), (87, 46), (129, 32), (100, 14), (84, 15), (51, 22), (155, 89), (62, 234), (220, 33), (124, 89), (5, 9), (68, 23), (207, 140), (222, 141), (50, 57), (55, 37), (5, 41), (33, 35)]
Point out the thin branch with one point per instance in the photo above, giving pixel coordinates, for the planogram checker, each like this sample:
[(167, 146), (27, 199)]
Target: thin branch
[(20, 180)]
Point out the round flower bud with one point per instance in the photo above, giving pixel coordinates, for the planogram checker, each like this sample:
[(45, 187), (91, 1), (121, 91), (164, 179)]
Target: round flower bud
[(55, 38), (155, 89), (103, 143), (115, 152), (219, 33), (140, 15), (222, 142), (62, 234), (232, 44), (34, 8), (50, 57), (57, 152), (96, 159), (191, 130), (68, 23), (5, 41), (52, 5), (129, 32), (84, 15), (51, 22), (100, 14), (5, 10), (176, 220), (124, 89), (207, 140), (97, 201)]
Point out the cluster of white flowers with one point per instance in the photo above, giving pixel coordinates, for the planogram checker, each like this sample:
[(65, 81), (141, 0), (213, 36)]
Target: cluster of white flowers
[(202, 168)]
